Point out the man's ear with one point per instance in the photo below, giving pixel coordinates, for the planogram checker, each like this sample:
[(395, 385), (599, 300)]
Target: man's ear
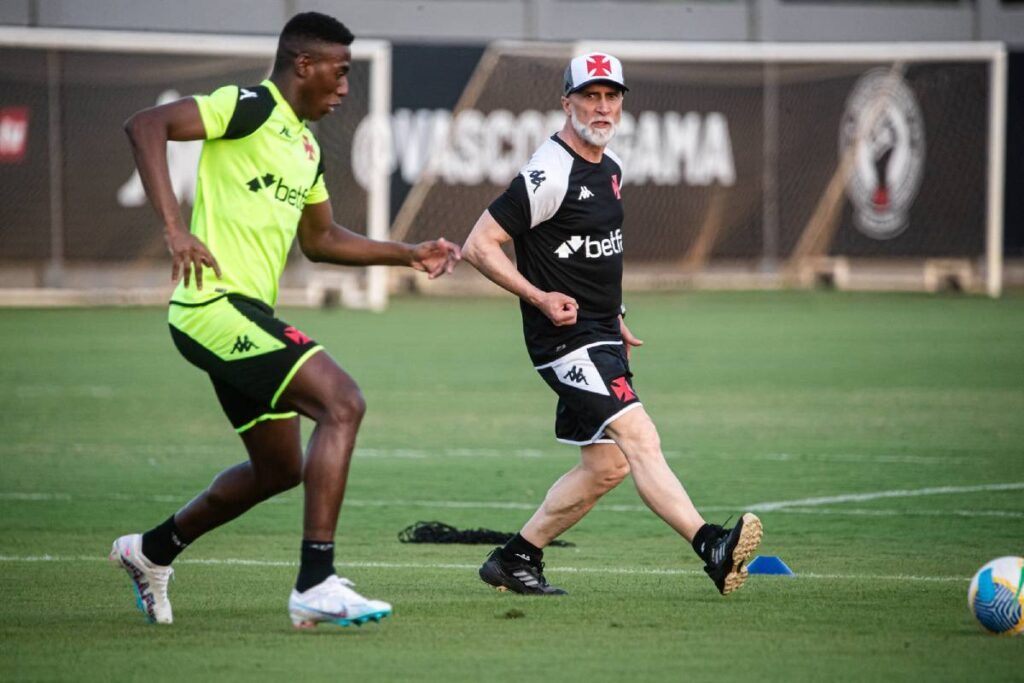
[(565, 104), (303, 64)]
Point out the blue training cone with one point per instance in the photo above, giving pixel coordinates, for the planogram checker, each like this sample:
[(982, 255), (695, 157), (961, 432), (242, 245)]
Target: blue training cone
[(769, 564)]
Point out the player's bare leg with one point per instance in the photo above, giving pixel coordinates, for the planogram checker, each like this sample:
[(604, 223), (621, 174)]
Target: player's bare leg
[(657, 484), (324, 392), (724, 551), (518, 566), (274, 466), (601, 468)]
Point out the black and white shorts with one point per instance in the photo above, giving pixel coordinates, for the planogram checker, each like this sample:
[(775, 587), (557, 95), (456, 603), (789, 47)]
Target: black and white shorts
[(594, 387), (250, 355)]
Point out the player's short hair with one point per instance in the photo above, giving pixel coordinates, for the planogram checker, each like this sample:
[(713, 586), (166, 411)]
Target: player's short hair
[(304, 30)]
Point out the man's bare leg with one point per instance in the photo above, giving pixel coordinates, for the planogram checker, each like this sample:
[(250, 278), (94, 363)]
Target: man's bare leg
[(601, 468), (517, 566), (657, 484), (724, 551), (274, 466), (325, 393)]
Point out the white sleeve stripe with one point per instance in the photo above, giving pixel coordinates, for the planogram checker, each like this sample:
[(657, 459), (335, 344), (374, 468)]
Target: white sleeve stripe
[(547, 181)]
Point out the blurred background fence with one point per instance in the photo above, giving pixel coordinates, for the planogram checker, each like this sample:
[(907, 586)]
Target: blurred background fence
[(748, 164)]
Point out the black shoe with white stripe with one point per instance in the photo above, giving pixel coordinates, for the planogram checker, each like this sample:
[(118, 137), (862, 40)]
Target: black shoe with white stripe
[(730, 551), (519, 576)]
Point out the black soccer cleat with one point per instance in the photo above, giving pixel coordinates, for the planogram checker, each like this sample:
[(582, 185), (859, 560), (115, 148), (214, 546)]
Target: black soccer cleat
[(730, 551), (519, 576)]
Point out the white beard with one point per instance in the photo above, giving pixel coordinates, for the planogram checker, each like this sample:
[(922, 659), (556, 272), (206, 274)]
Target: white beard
[(598, 137)]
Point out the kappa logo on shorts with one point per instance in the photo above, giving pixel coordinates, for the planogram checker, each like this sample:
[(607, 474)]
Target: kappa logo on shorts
[(576, 375), (577, 370), (296, 336), (622, 390), (243, 344)]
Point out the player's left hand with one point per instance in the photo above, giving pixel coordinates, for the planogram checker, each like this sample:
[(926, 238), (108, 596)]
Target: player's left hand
[(628, 338), (436, 257)]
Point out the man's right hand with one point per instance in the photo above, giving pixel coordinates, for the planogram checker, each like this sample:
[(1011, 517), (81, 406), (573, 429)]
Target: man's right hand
[(189, 255), (559, 308)]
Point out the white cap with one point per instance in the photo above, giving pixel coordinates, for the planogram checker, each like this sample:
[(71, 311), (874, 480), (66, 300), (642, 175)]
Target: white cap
[(596, 67)]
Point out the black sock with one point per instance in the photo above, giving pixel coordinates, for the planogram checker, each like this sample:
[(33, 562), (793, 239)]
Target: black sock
[(703, 540), (518, 549), (316, 564), (163, 543)]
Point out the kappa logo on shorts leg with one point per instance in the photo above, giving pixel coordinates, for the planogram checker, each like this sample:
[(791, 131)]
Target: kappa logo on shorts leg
[(243, 344), (577, 370), (296, 336), (576, 375)]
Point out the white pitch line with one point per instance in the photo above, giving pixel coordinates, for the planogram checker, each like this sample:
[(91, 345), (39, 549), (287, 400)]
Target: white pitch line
[(630, 571), (807, 506), (882, 512), (875, 495)]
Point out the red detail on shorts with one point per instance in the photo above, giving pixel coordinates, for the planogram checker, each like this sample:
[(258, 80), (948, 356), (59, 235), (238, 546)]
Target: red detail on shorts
[(296, 336), (622, 390)]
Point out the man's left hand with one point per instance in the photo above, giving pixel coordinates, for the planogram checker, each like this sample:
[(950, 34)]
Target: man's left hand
[(628, 338)]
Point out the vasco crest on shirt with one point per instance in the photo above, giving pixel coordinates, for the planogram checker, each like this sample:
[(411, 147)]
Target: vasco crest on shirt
[(882, 128)]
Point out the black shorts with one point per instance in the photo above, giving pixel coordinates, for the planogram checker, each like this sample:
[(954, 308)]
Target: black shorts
[(250, 355), (594, 386)]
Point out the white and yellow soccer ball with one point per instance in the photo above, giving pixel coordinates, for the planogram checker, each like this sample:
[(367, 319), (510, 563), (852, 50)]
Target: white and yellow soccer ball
[(996, 596)]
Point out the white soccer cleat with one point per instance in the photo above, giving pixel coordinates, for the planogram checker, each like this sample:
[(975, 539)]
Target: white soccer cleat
[(334, 601), (149, 581)]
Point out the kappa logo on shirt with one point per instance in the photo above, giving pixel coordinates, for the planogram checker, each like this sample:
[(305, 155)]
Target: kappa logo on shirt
[(585, 193), (536, 178)]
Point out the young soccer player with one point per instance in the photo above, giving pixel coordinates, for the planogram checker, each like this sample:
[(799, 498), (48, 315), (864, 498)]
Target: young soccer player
[(260, 185)]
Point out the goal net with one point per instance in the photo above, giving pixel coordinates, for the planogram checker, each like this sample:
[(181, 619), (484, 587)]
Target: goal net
[(756, 165), (79, 229)]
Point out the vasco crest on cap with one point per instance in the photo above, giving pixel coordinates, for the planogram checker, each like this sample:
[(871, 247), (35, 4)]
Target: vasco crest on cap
[(593, 67)]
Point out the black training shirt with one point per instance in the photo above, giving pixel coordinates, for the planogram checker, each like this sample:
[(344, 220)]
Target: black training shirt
[(564, 214)]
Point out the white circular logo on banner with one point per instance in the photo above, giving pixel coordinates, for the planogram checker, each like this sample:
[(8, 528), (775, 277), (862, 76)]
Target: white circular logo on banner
[(883, 129)]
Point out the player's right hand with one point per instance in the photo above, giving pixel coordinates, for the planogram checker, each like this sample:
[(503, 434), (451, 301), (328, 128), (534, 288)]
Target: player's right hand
[(189, 255), (559, 308)]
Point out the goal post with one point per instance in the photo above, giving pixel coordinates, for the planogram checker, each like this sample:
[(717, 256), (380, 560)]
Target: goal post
[(81, 232), (758, 165), (895, 56)]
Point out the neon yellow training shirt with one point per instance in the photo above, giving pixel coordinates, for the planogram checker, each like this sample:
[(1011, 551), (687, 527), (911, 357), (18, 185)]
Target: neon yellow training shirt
[(259, 167)]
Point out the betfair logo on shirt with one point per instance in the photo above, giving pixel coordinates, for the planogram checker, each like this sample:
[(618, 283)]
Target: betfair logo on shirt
[(591, 248), (282, 193)]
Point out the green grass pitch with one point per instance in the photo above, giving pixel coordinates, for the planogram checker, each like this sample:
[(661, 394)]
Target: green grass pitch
[(880, 437)]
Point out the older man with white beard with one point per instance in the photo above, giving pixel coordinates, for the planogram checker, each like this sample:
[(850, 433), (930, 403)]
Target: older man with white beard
[(564, 214)]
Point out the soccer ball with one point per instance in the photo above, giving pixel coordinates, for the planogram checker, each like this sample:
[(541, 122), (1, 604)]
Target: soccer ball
[(996, 596)]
